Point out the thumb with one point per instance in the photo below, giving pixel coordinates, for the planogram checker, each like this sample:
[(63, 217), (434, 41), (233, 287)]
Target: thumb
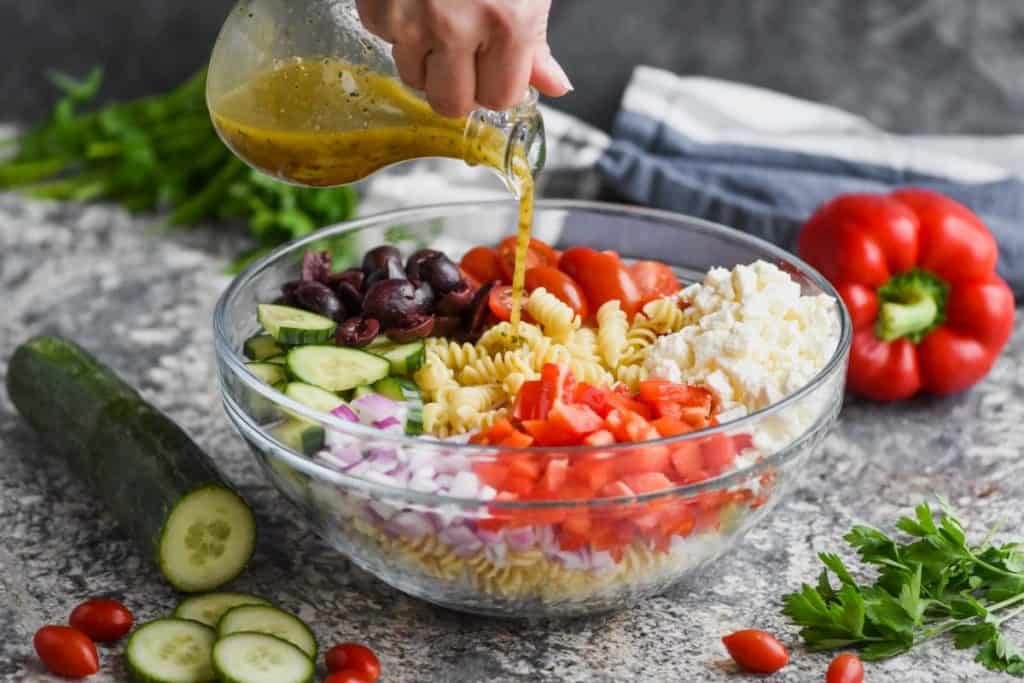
[(547, 75)]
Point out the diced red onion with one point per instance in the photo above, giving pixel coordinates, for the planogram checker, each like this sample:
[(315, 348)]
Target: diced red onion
[(383, 460), (462, 540), (388, 423), (345, 413), (489, 537), (374, 407), (452, 464), (601, 559), (410, 525), (421, 458), (520, 538), (383, 510), (464, 485), (343, 457), (486, 493), (444, 480), (497, 554)]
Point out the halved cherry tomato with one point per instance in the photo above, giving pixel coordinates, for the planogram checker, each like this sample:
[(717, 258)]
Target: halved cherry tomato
[(537, 254), (845, 668), (756, 651), (559, 284), (66, 651), (500, 301), (654, 279), (355, 658), (102, 619), (482, 264), (602, 276)]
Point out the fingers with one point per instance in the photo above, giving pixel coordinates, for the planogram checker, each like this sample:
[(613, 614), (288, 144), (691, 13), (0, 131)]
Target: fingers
[(547, 74), (411, 61), (502, 74), (374, 15), (451, 81)]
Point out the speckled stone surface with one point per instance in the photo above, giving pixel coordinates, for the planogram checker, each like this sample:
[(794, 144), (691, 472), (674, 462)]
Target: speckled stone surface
[(143, 304)]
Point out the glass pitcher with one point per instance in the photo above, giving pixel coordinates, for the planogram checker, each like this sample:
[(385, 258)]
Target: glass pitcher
[(300, 90)]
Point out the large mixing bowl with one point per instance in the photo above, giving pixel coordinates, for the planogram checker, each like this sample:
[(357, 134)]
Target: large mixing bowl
[(508, 557)]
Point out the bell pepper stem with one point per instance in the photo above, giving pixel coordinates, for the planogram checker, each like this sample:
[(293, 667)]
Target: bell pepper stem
[(897, 320), (912, 304)]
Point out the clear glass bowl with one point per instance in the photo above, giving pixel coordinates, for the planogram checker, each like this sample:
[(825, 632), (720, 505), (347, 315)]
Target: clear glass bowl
[(535, 558)]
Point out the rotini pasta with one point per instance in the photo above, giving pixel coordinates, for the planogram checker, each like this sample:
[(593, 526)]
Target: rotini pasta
[(612, 328), (631, 375), (556, 319), (663, 315), (500, 337), (494, 369), (453, 354)]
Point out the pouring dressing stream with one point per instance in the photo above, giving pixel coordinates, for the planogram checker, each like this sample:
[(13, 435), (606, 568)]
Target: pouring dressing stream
[(300, 90)]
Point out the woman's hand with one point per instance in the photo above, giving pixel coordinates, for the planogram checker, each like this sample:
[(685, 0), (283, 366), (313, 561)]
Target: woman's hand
[(468, 53)]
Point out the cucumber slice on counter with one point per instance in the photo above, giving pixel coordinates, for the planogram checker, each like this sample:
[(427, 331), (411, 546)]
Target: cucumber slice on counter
[(289, 325), (209, 608), (312, 397), (271, 621), (268, 372), (335, 368), (171, 651), (261, 347), (299, 435), (260, 658), (405, 359), (405, 391)]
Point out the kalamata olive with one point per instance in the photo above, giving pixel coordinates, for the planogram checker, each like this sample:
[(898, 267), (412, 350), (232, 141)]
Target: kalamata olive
[(416, 327), (391, 302), (441, 273), (353, 276), (357, 331), (455, 301), (446, 325), (316, 266), (350, 297), (477, 313), (424, 295), (318, 298), (412, 266), (377, 259)]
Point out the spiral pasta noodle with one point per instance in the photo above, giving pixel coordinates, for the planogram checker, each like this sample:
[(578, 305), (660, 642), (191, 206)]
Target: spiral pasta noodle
[(663, 315), (433, 377), (631, 375), (453, 354), (501, 338), (584, 346), (556, 318), (494, 369), (612, 328)]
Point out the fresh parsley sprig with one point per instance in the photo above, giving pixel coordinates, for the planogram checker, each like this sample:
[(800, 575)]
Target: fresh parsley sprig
[(161, 152), (927, 585)]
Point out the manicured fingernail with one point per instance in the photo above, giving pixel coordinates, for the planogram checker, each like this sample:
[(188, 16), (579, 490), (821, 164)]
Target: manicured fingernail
[(560, 74)]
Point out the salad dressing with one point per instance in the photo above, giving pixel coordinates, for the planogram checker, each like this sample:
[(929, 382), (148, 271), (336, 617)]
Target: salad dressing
[(327, 122)]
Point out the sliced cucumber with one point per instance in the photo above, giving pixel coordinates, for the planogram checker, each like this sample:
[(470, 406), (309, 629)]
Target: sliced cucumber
[(171, 651), (268, 372), (405, 359), (207, 540), (361, 390), (334, 368), (260, 658), (401, 389), (281, 359), (271, 621), (313, 397), (289, 325), (209, 608), (299, 435), (261, 347)]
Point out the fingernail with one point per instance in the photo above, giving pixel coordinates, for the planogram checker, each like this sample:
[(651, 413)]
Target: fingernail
[(560, 74)]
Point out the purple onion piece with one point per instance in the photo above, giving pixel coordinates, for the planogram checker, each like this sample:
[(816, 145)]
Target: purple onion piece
[(387, 423), (410, 525), (374, 407), (345, 413)]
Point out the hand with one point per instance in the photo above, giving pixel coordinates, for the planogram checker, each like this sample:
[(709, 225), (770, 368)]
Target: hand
[(468, 53)]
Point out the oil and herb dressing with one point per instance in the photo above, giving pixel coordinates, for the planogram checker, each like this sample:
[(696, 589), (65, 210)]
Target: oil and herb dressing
[(328, 122)]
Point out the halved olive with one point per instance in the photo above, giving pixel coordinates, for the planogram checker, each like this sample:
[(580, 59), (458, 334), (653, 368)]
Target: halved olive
[(358, 331), (416, 327)]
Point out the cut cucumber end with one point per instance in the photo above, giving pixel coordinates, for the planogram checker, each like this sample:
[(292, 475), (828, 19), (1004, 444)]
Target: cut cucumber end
[(171, 651), (209, 608), (312, 397), (261, 347), (271, 621), (300, 436), (405, 359), (260, 658), (268, 373), (288, 325), (207, 539)]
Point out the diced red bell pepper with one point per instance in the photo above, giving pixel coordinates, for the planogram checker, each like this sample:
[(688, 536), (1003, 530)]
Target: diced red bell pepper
[(522, 465), (530, 403), (554, 476), (616, 489), (491, 473), (545, 433), (688, 462), (593, 473), (647, 482), (519, 485), (601, 437), (717, 453), (575, 421), (516, 440), (577, 523), (655, 390)]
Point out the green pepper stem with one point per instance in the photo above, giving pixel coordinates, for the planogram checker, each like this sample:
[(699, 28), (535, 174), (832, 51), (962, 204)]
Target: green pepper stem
[(901, 320), (911, 305)]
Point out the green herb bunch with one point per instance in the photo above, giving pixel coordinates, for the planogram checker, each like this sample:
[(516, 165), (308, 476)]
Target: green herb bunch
[(161, 152), (934, 583)]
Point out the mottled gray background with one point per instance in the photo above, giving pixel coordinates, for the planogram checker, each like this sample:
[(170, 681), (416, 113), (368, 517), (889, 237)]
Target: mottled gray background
[(911, 65)]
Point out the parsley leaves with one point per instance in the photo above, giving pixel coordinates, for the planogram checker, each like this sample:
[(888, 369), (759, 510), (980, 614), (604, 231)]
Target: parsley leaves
[(927, 585)]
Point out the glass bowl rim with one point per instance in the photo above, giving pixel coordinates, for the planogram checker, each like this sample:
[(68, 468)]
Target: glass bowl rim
[(237, 366)]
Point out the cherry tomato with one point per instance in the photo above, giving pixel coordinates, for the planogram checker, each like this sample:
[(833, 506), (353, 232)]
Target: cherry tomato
[(756, 651), (602, 277), (654, 279), (102, 619), (482, 264), (66, 651), (537, 254), (500, 301), (353, 657), (559, 284), (845, 668), (348, 676)]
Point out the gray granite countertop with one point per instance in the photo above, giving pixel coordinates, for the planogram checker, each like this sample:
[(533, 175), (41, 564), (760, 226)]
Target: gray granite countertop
[(143, 304)]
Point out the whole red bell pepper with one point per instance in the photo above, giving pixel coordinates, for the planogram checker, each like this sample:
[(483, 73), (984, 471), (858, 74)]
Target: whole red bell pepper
[(917, 273)]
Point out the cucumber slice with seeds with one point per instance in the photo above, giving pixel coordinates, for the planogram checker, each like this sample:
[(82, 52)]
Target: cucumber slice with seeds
[(268, 372), (261, 347), (260, 658), (335, 368), (313, 397), (271, 621), (289, 325), (171, 651), (209, 608), (299, 435), (405, 359), (401, 389)]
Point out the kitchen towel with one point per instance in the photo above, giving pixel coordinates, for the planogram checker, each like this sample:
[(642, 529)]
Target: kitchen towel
[(762, 162)]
